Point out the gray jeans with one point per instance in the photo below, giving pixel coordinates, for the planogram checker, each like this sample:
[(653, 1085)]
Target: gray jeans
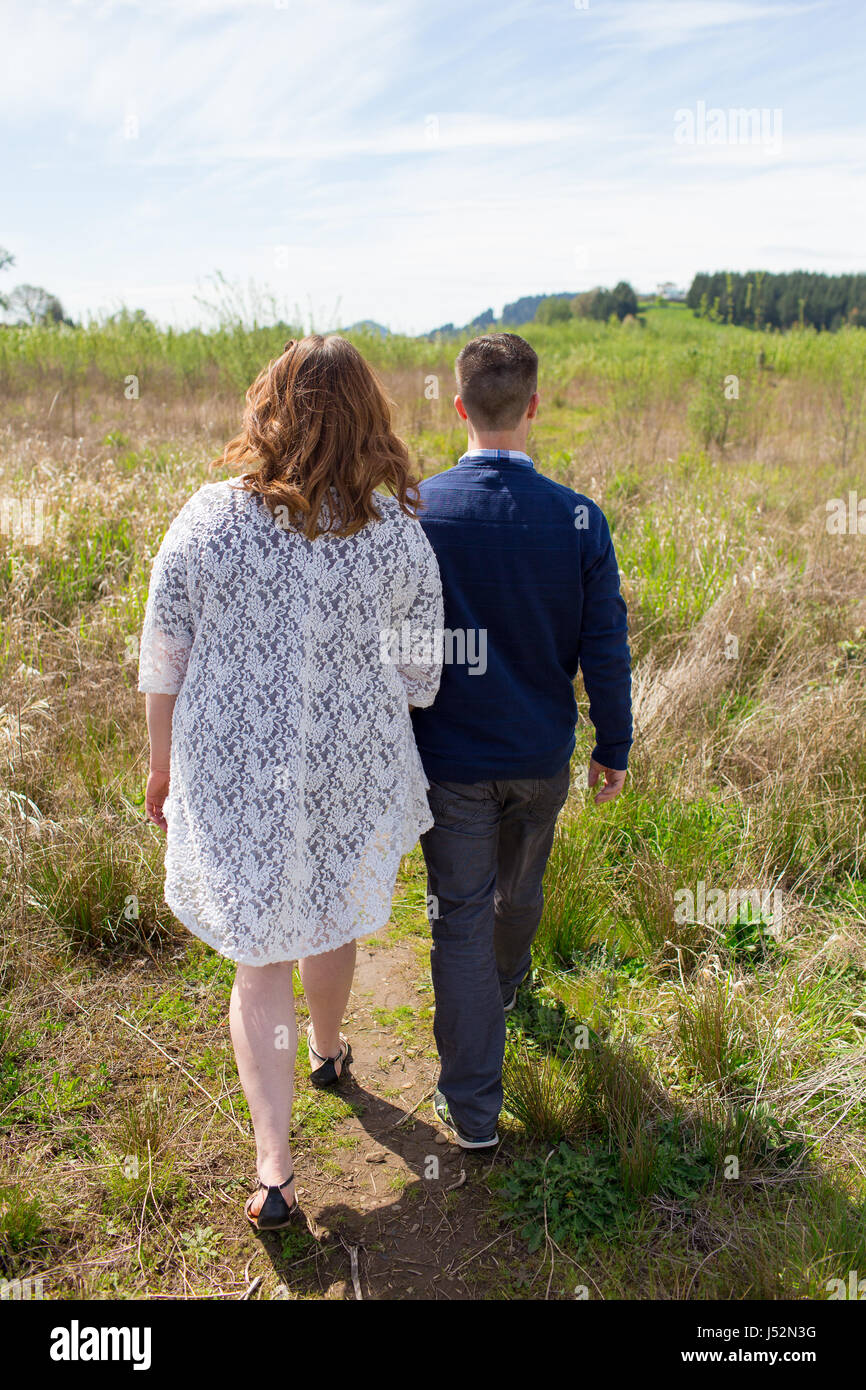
[(485, 857)]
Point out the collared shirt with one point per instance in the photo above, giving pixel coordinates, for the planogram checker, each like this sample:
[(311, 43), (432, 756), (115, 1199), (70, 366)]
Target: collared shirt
[(495, 456)]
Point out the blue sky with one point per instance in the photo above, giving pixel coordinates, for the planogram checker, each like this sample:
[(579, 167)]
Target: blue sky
[(417, 163)]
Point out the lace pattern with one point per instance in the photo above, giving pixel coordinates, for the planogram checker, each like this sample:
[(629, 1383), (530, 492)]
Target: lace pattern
[(296, 784)]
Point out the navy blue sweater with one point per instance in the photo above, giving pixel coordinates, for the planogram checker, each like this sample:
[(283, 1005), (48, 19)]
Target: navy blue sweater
[(530, 563)]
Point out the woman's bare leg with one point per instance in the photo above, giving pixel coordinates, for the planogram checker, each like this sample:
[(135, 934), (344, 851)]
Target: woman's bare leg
[(327, 981), (265, 1038)]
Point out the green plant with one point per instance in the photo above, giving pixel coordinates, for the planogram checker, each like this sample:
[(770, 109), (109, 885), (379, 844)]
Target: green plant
[(569, 1195), (577, 900), (573, 1194), (143, 1172), (202, 1244), (542, 1092), (712, 1036)]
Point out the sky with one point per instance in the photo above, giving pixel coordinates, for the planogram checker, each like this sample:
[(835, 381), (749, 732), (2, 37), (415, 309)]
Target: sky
[(417, 163)]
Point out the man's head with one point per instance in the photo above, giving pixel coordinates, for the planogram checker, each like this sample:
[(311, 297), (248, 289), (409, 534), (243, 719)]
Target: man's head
[(497, 377)]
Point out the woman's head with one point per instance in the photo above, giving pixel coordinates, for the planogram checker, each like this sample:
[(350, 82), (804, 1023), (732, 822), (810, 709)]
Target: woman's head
[(317, 419)]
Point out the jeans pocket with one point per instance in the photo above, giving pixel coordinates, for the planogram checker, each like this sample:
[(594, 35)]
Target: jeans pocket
[(457, 804), (551, 793)]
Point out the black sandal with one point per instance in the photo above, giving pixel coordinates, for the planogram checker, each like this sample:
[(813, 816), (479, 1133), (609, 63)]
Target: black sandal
[(327, 1074), (275, 1212)]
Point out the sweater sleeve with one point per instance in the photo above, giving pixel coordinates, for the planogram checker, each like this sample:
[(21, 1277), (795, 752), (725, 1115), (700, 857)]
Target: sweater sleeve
[(605, 659)]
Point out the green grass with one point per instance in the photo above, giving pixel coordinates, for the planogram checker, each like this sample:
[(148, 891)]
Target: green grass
[(667, 351), (703, 1047), (21, 1225), (98, 889), (317, 1113)]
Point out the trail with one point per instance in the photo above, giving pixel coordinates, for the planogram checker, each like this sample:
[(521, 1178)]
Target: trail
[(393, 1188)]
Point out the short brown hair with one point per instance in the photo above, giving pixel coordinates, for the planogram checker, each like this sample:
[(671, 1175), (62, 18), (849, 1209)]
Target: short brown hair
[(497, 376), (317, 419)]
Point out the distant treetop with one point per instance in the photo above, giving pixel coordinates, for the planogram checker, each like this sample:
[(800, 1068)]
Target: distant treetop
[(760, 299)]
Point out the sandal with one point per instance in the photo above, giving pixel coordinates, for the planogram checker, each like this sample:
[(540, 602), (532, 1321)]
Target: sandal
[(327, 1074), (275, 1212)]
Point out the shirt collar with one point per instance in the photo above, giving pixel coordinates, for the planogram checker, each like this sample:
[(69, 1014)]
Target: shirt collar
[(496, 456)]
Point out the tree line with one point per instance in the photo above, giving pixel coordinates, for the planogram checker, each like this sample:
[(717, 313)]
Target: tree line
[(759, 299), (598, 303)]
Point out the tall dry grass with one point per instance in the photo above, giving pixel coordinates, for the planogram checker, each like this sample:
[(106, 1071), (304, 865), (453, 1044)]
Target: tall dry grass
[(748, 625)]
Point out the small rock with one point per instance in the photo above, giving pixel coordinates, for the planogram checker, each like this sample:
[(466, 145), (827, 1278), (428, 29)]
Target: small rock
[(375, 1158), (442, 1139), (338, 1290)]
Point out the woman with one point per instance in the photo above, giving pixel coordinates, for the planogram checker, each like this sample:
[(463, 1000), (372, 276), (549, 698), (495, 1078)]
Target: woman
[(282, 761)]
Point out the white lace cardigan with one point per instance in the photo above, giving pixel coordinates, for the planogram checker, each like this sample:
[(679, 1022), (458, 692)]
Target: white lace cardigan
[(296, 785)]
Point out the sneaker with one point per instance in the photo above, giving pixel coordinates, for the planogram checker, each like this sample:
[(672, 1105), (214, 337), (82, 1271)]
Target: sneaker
[(510, 1005), (440, 1105)]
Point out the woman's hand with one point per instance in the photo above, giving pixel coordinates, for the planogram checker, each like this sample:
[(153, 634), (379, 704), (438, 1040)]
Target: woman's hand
[(154, 797)]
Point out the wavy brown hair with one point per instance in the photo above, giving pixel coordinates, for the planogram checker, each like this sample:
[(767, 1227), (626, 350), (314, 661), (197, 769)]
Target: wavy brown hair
[(317, 419)]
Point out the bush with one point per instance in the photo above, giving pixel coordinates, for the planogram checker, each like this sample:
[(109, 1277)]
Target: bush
[(553, 309)]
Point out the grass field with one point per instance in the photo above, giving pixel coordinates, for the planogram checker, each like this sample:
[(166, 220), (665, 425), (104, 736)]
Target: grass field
[(686, 1077)]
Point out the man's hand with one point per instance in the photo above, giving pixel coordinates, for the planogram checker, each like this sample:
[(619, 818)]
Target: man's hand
[(154, 797), (613, 781)]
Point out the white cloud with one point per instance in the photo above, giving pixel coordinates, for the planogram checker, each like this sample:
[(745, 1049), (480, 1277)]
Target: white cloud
[(452, 131), (316, 128), (651, 25), (250, 68)]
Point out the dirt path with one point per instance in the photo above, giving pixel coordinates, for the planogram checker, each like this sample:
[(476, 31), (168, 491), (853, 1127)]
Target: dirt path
[(412, 1205)]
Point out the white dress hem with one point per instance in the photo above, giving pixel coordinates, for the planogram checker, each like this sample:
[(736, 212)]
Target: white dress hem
[(304, 949)]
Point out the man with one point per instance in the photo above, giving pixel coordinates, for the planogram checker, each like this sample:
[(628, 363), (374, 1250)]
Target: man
[(531, 585)]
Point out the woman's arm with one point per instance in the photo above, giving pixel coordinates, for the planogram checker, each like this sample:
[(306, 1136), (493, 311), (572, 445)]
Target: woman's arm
[(167, 637), (160, 709)]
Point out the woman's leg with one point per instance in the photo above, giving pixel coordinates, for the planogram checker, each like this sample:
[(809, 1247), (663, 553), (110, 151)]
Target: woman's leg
[(327, 981), (265, 1038)]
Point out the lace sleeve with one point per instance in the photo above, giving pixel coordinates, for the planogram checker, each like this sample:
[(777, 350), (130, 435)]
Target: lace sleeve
[(418, 615), (169, 625)]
